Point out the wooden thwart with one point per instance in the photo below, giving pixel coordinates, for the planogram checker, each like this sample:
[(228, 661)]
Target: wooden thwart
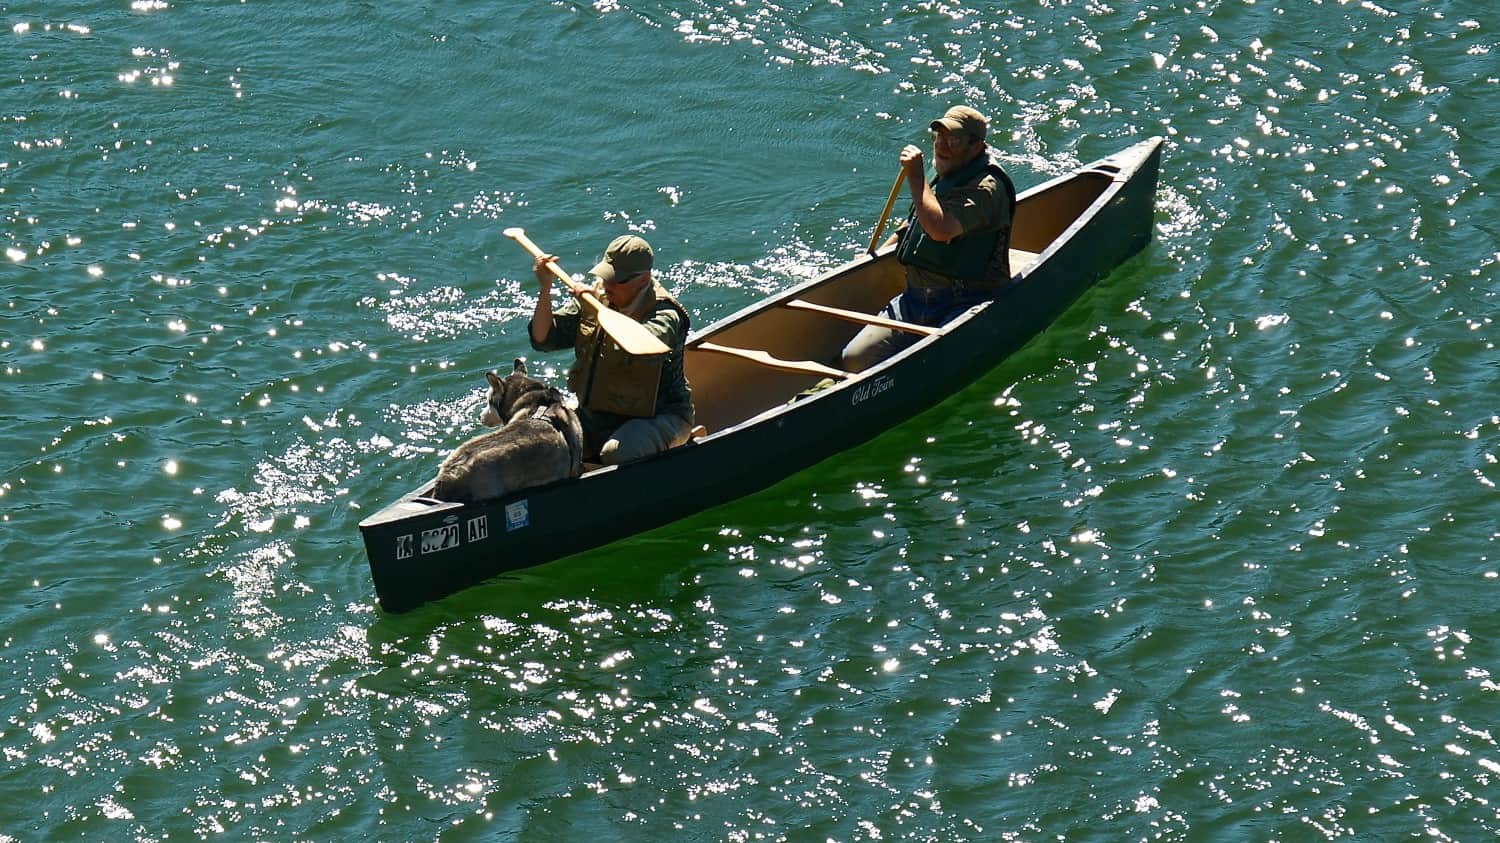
[(862, 318), (806, 367)]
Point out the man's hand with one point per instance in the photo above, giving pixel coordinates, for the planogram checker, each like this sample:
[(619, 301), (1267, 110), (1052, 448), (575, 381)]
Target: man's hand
[(911, 162), (544, 275)]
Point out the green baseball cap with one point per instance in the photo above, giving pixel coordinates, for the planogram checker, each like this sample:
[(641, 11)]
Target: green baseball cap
[(961, 118), (626, 257)]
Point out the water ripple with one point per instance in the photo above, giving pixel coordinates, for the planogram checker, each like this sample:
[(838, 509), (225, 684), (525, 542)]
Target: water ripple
[(1209, 559)]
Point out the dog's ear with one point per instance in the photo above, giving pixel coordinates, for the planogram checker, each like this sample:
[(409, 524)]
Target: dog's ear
[(493, 379), (520, 368)]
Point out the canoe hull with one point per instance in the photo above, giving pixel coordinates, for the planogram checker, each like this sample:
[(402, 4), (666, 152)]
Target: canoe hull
[(421, 550)]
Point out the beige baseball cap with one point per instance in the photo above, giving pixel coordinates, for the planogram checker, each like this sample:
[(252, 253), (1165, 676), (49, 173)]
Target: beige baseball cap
[(626, 257), (961, 118)]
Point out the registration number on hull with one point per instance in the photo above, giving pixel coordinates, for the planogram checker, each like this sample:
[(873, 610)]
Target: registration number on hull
[(447, 537), (440, 539)]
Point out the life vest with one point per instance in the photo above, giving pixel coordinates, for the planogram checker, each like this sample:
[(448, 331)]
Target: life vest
[(607, 379), (966, 257)]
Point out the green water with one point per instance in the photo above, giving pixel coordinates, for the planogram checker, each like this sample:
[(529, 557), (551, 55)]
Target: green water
[(1213, 559)]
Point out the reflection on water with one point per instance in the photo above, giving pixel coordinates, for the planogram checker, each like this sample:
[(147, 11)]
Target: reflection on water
[(1208, 560)]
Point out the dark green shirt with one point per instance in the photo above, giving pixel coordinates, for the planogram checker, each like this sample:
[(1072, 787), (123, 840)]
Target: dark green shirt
[(982, 206)]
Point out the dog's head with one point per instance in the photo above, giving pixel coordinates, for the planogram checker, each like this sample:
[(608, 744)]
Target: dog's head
[(509, 394)]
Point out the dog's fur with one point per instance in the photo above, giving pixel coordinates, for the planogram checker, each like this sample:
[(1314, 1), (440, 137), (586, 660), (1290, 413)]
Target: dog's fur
[(539, 440)]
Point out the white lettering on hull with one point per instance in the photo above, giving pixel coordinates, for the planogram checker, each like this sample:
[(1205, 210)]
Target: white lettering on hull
[(440, 539), (870, 389), (479, 529)]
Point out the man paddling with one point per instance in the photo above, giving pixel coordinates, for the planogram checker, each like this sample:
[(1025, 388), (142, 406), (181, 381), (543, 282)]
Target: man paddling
[(631, 406), (955, 245)]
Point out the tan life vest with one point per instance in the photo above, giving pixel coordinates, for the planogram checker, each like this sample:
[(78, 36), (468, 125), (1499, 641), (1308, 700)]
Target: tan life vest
[(605, 377)]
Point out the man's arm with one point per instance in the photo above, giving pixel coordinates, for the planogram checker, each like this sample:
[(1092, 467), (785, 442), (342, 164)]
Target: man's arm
[(931, 215), (541, 316), (666, 325), (544, 320)]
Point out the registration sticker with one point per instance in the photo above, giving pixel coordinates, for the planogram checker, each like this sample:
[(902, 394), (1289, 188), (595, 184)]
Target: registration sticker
[(517, 515), (403, 546)]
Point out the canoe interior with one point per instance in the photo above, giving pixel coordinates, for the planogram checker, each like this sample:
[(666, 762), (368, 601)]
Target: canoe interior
[(729, 390)]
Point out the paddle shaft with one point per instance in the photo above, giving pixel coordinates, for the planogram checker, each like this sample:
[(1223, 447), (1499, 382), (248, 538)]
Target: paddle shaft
[(890, 202), (519, 235), (631, 335)]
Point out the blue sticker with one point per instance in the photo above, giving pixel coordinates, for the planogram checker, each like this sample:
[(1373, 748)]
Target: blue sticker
[(517, 515)]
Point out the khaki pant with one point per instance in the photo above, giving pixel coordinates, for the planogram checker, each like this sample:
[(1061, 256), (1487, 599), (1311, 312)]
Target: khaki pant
[(639, 438), (919, 306)]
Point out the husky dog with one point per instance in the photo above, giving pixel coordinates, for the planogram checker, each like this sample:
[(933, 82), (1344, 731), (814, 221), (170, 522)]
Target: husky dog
[(539, 440)]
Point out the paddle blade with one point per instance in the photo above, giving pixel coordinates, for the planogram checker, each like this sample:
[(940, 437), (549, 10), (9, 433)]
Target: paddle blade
[(626, 332)]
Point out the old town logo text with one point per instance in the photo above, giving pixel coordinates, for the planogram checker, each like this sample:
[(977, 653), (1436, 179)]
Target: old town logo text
[(870, 389)]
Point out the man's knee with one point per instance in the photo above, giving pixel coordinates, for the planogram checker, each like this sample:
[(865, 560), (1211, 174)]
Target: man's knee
[(610, 453), (640, 438), (871, 345)]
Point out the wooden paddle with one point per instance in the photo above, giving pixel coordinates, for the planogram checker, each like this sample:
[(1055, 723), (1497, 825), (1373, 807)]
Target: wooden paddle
[(630, 334), (889, 202)]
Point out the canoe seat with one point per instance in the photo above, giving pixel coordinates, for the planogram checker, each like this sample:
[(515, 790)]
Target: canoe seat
[(1021, 259), (770, 361), (861, 318)]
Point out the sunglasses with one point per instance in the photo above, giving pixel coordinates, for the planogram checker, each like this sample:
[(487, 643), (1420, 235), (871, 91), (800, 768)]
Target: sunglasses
[(952, 138)]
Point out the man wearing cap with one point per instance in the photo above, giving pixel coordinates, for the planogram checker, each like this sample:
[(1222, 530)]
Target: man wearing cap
[(955, 245), (631, 406)]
